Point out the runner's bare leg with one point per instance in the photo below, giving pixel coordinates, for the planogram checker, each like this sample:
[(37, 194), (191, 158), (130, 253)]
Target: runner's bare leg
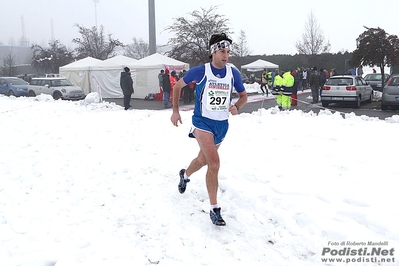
[(208, 155)]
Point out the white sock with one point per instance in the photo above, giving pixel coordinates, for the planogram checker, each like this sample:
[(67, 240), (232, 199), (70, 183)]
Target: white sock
[(214, 207), (185, 176)]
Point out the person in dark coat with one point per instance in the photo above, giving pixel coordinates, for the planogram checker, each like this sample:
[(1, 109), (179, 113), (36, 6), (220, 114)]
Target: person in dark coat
[(186, 89), (315, 83), (126, 83), (166, 88)]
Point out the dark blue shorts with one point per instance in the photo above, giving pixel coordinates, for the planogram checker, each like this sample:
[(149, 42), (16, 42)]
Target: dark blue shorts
[(217, 128)]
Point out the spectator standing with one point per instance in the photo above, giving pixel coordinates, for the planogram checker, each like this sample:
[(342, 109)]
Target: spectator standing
[(186, 89), (166, 88), (286, 89), (322, 77), (277, 83), (263, 85), (315, 82), (27, 78), (297, 77), (270, 79), (126, 84), (359, 71), (252, 78), (305, 78), (160, 80)]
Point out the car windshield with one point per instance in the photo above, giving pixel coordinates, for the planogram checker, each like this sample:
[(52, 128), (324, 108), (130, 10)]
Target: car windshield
[(17, 81), (339, 81), (373, 77), (61, 82)]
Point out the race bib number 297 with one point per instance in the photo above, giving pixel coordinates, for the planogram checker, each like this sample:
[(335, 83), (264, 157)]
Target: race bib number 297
[(218, 100)]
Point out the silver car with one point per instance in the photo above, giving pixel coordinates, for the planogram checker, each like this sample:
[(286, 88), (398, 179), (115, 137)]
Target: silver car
[(346, 89), (390, 93), (375, 80), (58, 87)]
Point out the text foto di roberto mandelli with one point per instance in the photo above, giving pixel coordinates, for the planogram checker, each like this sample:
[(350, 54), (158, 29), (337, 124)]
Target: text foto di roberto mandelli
[(355, 243)]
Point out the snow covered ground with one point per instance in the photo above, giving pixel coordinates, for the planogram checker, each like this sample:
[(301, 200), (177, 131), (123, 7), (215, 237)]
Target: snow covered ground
[(86, 183)]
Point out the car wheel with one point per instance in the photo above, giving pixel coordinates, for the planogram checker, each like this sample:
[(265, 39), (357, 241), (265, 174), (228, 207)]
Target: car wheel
[(32, 93), (384, 107), (10, 93), (324, 104), (57, 95)]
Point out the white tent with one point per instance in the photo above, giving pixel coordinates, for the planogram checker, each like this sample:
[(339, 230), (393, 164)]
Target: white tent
[(88, 72), (105, 79), (94, 75), (147, 70), (259, 65), (78, 72)]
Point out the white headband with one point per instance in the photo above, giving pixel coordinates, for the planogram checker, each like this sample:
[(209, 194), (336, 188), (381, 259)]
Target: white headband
[(220, 45)]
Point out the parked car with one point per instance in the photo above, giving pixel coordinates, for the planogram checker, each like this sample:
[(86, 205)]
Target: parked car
[(375, 80), (341, 89), (390, 93), (244, 78), (13, 86), (58, 87)]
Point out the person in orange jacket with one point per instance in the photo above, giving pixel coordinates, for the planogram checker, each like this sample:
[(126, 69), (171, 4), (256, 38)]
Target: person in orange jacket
[(173, 81)]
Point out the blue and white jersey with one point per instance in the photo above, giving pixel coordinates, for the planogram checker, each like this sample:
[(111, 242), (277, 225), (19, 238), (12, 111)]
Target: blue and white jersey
[(214, 89)]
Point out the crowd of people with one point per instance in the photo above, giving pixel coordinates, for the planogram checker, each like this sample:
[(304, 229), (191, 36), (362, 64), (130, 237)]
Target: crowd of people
[(284, 84), (167, 80)]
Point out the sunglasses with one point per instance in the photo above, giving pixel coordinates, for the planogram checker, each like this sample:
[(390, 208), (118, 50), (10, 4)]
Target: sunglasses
[(220, 45)]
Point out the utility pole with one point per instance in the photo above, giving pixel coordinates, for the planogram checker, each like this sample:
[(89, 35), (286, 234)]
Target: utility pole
[(52, 31), (24, 41), (151, 26), (95, 11)]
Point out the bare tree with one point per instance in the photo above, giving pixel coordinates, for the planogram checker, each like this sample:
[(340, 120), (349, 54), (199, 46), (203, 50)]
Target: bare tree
[(240, 48), (93, 43), (313, 41), (138, 49), (191, 40), (9, 69)]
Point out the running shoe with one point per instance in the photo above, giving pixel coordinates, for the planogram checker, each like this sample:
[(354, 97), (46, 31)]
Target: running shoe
[(216, 217), (183, 182)]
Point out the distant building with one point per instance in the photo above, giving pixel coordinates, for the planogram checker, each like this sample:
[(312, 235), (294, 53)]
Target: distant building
[(22, 55)]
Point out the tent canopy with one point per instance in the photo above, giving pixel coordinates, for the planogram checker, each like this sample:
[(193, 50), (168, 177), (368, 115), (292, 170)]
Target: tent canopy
[(160, 62), (147, 70), (82, 64), (121, 60), (259, 65), (94, 75), (80, 72)]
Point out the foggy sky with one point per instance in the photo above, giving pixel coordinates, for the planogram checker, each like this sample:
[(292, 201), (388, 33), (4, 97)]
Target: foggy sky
[(269, 29)]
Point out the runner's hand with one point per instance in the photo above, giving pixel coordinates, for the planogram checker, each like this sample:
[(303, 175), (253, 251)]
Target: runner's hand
[(176, 118)]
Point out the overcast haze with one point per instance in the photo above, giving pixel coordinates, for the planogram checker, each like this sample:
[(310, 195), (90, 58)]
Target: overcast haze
[(269, 29)]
